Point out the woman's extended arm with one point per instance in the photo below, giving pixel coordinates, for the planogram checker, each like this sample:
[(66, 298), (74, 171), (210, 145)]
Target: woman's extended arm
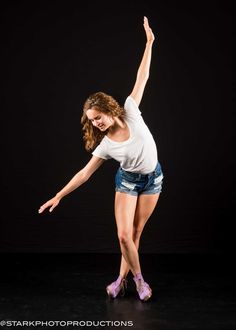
[(143, 71), (81, 177)]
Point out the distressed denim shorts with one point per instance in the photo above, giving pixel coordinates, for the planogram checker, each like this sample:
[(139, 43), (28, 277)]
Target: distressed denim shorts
[(137, 184)]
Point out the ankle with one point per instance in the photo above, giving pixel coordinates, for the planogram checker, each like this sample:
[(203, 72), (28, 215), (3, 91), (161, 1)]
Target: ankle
[(123, 276), (138, 276), (120, 278)]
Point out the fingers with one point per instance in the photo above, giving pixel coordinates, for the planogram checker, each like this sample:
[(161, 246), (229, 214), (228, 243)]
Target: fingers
[(146, 25), (51, 209), (44, 206), (148, 30), (145, 21), (52, 203)]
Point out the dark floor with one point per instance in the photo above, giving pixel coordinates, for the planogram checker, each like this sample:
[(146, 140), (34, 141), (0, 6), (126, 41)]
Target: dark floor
[(189, 292)]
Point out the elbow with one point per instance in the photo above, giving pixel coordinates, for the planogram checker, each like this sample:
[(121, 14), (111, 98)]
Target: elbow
[(84, 176), (143, 76), (146, 75)]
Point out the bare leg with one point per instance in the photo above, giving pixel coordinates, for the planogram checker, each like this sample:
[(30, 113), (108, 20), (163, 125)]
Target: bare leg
[(145, 206), (125, 206)]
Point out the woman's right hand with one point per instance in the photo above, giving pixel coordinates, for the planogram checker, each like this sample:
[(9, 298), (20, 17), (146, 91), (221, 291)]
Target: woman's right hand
[(149, 34), (53, 202)]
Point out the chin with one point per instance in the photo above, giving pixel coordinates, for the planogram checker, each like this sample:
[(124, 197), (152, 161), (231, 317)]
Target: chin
[(104, 128)]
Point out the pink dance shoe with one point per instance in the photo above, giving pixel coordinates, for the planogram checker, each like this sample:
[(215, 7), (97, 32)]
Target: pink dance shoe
[(117, 287), (144, 290)]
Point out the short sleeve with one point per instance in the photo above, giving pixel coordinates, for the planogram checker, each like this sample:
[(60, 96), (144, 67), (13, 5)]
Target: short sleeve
[(131, 108), (101, 151)]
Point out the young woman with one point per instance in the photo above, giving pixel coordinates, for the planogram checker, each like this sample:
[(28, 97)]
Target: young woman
[(120, 133)]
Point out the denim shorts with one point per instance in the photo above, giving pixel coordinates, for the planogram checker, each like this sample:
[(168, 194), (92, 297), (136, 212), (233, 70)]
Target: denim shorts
[(137, 184)]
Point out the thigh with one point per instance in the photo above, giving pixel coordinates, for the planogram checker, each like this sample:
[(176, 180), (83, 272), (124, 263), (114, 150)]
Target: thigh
[(125, 205), (145, 207)]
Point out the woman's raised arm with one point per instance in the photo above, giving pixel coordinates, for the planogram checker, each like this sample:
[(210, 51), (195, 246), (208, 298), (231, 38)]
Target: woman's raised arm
[(143, 70)]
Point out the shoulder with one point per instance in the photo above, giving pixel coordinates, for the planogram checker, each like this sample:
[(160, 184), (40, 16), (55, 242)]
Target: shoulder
[(102, 149), (131, 107)]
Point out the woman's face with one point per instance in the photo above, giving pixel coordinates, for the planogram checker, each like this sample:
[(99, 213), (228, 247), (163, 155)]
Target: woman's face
[(99, 119)]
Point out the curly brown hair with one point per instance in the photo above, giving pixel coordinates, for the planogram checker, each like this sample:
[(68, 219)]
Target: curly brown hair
[(100, 102)]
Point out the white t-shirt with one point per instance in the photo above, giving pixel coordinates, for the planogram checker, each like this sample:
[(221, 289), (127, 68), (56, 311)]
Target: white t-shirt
[(137, 154)]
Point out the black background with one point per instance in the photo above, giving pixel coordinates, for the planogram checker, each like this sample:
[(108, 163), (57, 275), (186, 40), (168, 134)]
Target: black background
[(53, 56)]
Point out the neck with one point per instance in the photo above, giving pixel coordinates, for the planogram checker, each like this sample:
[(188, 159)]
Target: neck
[(118, 123)]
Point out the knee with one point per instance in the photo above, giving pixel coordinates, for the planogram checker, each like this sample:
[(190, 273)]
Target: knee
[(137, 231), (124, 237)]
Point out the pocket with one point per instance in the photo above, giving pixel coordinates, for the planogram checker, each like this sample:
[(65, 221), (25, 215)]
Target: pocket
[(128, 176)]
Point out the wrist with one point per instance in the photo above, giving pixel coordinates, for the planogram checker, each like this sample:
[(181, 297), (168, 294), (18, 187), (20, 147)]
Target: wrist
[(59, 196), (149, 43)]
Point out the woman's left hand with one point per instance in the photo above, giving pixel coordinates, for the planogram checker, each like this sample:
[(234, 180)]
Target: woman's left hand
[(149, 34)]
